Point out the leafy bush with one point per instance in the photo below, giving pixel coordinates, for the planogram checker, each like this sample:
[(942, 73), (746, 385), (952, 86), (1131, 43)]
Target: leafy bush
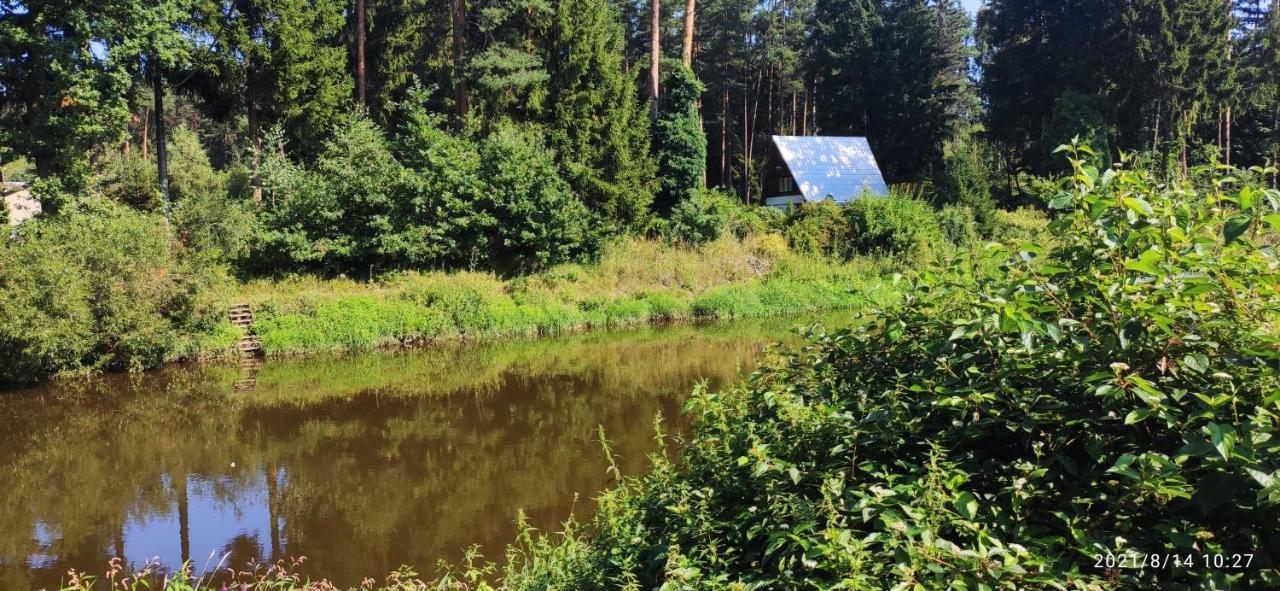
[(704, 216), (897, 225), (132, 180), (430, 199), (209, 217), (97, 290), (1113, 394), (1021, 225), (959, 225), (816, 228), (969, 178)]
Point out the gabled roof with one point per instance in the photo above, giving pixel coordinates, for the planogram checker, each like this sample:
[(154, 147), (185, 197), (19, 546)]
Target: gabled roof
[(837, 166)]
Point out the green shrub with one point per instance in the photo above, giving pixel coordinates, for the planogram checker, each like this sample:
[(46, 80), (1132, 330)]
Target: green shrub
[(132, 180), (1024, 224), (208, 216), (664, 306), (959, 225), (970, 173), (705, 216), (1004, 430), (429, 199), (98, 290), (816, 228), (894, 225)]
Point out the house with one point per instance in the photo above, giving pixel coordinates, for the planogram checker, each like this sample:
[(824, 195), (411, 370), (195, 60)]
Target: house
[(813, 168)]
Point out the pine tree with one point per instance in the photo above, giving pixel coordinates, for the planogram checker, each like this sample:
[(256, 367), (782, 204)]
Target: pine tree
[(599, 128), (509, 72), (283, 61)]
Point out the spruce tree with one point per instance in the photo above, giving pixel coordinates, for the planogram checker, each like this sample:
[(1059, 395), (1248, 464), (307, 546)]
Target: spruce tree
[(680, 143), (599, 128)]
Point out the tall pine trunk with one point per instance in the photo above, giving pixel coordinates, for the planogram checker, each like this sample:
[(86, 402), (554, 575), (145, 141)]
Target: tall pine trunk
[(686, 53), (162, 150), (360, 68), (655, 52), (460, 94)]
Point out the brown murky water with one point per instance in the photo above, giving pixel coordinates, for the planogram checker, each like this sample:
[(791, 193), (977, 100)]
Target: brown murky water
[(361, 463)]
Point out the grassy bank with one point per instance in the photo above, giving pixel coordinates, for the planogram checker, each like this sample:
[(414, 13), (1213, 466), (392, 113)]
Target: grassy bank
[(635, 282)]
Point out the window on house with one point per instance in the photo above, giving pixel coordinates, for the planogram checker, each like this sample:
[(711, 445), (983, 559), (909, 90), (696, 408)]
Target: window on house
[(785, 184)]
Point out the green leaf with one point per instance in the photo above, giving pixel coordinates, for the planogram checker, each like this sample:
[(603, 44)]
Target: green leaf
[(1273, 220), (1223, 438), (1136, 416), (1196, 362), (966, 505), (1235, 226)]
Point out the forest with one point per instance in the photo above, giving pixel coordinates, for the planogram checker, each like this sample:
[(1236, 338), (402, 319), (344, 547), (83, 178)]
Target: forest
[(1065, 335), (634, 104)]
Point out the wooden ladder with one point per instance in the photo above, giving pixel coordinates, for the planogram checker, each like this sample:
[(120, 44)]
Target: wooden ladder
[(241, 315)]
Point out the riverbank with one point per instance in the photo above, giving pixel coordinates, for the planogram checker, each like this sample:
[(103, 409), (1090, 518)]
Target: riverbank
[(635, 282)]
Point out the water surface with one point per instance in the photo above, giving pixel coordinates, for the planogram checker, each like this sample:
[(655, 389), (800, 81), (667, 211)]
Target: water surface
[(361, 463)]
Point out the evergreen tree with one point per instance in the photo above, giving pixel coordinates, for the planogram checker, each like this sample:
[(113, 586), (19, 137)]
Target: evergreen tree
[(508, 72), (599, 128), (681, 144), (896, 72), (283, 62), (405, 44)]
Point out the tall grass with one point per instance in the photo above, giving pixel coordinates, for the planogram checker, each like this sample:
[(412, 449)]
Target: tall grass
[(635, 282)]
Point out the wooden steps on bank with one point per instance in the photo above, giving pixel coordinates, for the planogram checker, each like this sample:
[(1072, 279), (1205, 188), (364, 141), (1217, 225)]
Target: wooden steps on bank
[(241, 315)]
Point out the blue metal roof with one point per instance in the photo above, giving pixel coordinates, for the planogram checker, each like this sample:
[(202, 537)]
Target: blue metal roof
[(840, 167)]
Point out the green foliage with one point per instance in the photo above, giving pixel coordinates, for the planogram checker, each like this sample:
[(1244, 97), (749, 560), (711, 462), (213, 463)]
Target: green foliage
[(994, 430), (599, 129), (704, 216), (894, 71), (816, 228), (211, 216), (898, 224), (282, 62), (97, 290), (132, 180), (1073, 118), (431, 198), (536, 219), (959, 225), (634, 282), (679, 141), (969, 179)]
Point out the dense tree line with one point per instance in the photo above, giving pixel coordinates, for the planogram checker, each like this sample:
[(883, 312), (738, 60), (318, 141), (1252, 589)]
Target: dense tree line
[(1168, 77), (944, 100)]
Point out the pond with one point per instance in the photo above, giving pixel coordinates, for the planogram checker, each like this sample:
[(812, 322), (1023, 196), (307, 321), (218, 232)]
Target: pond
[(361, 463)]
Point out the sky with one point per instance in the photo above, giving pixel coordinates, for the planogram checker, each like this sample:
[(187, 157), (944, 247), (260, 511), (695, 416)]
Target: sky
[(971, 5)]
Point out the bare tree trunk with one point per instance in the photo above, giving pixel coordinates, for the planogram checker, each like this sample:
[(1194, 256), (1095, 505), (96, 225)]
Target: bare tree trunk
[(255, 140), (804, 117), (162, 150), (686, 53), (146, 141), (360, 70), (792, 110), (724, 138), (460, 94), (655, 53)]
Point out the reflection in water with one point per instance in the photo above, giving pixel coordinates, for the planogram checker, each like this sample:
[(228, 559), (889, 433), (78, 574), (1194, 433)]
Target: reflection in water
[(361, 463)]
